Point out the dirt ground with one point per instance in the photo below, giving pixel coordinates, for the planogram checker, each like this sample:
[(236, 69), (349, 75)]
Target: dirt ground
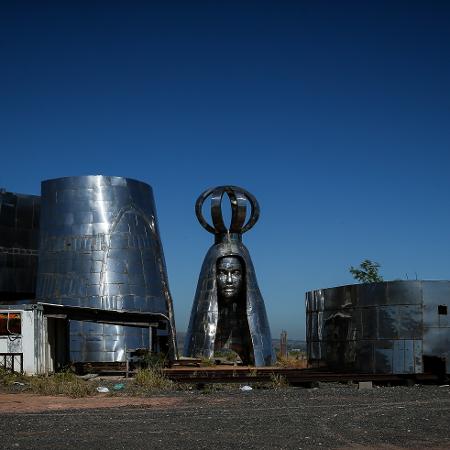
[(331, 416), (29, 403)]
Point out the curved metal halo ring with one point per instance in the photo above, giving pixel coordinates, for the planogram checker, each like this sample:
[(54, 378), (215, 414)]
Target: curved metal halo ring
[(238, 197)]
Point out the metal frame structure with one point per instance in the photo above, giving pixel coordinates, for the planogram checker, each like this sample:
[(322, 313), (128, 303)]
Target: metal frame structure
[(19, 241), (12, 362)]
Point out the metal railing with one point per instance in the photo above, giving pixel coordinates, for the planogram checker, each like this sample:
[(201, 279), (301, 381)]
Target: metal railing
[(12, 362)]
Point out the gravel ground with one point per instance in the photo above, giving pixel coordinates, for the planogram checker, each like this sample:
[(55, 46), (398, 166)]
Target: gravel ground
[(331, 416)]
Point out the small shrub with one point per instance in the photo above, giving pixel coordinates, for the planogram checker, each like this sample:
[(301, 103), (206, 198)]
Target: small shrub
[(291, 362), (64, 383), (7, 377), (153, 378), (207, 362), (150, 359), (227, 355), (278, 381)]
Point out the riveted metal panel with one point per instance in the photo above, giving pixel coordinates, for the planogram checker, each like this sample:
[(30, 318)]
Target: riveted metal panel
[(386, 327), (100, 248), (19, 240)]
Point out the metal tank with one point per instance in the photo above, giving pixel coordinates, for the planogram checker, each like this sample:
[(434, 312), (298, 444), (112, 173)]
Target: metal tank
[(395, 327), (19, 240), (100, 248)]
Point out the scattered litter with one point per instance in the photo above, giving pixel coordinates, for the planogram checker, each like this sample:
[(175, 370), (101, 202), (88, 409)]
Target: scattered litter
[(246, 388), (88, 376), (102, 389), (445, 385), (118, 386), (18, 383)]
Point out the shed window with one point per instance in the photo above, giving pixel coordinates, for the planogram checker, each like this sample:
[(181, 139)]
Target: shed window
[(10, 323), (442, 309)]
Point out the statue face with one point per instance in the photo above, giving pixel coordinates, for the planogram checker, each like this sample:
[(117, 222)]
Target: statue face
[(229, 276)]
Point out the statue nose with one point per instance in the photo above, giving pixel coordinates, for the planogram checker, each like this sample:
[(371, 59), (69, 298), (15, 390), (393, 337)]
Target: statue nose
[(229, 279)]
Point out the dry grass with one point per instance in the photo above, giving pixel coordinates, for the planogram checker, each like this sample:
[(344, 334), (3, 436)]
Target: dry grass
[(291, 362), (278, 381), (153, 378), (7, 377), (206, 362), (64, 383)]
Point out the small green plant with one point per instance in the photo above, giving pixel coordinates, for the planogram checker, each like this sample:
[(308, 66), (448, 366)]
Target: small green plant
[(228, 355), (291, 362), (63, 383), (150, 359), (278, 381), (153, 378), (7, 377), (367, 272), (207, 362)]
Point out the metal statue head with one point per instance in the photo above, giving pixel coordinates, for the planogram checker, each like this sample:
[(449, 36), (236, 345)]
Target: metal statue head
[(228, 311), (230, 277)]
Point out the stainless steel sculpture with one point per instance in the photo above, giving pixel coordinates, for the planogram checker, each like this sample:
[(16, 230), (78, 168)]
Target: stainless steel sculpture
[(228, 310), (390, 327), (100, 248), (19, 240)]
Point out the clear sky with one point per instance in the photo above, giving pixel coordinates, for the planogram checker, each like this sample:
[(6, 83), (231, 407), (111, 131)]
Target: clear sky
[(335, 115)]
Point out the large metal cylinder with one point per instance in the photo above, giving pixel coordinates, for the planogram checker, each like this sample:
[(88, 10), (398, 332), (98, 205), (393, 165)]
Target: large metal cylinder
[(100, 248)]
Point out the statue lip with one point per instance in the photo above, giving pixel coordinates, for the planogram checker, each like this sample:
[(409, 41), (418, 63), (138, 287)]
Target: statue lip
[(229, 292)]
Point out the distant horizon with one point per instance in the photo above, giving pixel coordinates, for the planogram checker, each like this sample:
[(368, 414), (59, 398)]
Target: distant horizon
[(274, 336)]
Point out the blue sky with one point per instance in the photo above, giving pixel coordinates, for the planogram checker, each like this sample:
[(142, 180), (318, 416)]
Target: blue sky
[(335, 115)]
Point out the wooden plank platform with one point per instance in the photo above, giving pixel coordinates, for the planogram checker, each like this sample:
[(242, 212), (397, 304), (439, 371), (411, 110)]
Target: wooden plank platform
[(239, 374), (191, 371)]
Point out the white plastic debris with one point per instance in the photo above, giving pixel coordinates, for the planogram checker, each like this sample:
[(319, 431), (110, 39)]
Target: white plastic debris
[(102, 389), (88, 376), (18, 383), (246, 388), (445, 385)]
